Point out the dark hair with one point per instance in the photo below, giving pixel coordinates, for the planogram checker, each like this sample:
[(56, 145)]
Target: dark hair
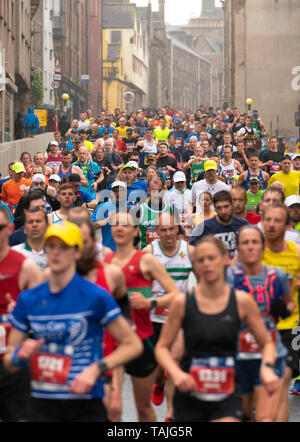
[(156, 178), (25, 153), (223, 195), (286, 157), (37, 194), (253, 154), (65, 153), (215, 241)]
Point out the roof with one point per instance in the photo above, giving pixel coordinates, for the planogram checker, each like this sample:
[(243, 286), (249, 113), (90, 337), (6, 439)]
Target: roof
[(118, 16), (216, 45), (185, 48)]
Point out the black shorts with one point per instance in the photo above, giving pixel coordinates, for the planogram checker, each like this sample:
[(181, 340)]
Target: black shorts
[(293, 356), (157, 326), (190, 409), (144, 365), (57, 410), (14, 395)]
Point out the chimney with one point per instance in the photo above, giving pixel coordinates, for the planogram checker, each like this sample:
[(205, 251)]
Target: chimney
[(162, 12)]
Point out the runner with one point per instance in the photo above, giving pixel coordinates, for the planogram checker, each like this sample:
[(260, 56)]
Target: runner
[(285, 255), (270, 290), (211, 317), (176, 256), (66, 316), (140, 270), (17, 273)]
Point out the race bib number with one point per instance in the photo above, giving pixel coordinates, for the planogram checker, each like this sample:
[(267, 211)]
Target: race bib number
[(214, 377), (5, 328), (151, 235), (248, 343), (162, 311), (51, 368), (275, 167)]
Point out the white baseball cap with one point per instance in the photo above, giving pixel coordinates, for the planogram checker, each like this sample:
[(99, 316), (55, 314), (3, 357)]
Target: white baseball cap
[(55, 178), (179, 177), (291, 200), (55, 143), (38, 178), (119, 184), (297, 155), (133, 164)]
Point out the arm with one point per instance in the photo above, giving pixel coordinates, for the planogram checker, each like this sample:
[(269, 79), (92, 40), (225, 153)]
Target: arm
[(249, 312), (238, 167), (183, 381), (30, 275), (241, 179), (130, 347), (84, 182)]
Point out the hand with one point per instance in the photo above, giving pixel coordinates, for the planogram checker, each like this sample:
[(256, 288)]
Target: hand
[(29, 348), (185, 382), (138, 301), (115, 405), (269, 379), (11, 303), (85, 381)]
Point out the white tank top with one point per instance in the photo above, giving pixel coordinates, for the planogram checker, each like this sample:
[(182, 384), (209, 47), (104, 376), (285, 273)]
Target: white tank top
[(229, 171), (178, 266)]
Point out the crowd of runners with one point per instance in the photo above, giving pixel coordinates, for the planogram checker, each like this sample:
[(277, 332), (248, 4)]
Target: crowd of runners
[(163, 245)]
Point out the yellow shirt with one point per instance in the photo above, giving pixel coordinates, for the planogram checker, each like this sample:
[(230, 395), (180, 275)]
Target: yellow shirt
[(161, 135), (122, 131), (288, 260), (291, 182), (89, 145)]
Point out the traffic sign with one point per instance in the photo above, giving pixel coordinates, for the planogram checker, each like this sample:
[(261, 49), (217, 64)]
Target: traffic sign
[(57, 77), (57, 68), (56, 84)]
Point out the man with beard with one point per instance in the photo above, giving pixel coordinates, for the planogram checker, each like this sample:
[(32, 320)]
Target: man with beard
[(224, 225)]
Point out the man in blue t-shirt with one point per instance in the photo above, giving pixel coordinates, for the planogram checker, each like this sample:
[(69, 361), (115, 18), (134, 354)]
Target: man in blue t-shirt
[(224, 225), (66, 317)]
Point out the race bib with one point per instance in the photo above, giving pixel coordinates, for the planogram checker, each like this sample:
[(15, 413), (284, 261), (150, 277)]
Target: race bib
[(151, 235), (5, 328), (51, 368), (275, 167), (214, 377), (162, 311), (248, 343)]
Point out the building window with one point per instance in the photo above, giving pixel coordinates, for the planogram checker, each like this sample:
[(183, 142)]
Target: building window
[(115, 36), (94, 8)]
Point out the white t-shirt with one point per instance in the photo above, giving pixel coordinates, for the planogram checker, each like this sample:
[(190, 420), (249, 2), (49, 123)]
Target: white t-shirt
[(179, 200), (203, 186)]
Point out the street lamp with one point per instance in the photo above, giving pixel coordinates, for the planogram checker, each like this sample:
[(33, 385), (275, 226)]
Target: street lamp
[(249, 103), (65, 98)]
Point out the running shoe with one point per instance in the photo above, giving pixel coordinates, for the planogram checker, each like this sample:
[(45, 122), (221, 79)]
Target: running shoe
[(295, 389), (169, 419), (158, 394)]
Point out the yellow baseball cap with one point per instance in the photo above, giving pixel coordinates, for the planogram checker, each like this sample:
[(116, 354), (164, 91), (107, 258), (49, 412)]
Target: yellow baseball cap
[(68, 232), (210, 165), (18, 168)]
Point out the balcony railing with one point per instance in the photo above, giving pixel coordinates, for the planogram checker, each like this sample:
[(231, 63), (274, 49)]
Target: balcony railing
[(110, 73)]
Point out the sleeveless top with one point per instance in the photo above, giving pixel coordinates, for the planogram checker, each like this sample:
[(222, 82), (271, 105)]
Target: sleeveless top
[(289, 261), (101, 278), (10, 269), (63, 175), (135, 282), (229, 170), (210, 346), (260, 176), (53, 161)]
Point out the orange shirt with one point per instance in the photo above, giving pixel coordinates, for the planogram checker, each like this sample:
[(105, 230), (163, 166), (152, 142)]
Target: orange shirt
[(12, 192)]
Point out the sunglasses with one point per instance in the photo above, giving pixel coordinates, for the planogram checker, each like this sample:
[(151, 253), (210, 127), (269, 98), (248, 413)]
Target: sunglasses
[(2, 227)]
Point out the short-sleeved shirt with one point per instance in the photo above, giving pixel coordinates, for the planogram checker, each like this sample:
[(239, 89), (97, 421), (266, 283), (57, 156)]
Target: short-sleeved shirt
[(71, 322), (12, 192)]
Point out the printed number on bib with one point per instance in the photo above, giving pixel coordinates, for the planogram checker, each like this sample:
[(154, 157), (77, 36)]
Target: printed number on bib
[(162, 311), (248, 343), (151, 235), (275, 167), (51, 368), (214, 377)]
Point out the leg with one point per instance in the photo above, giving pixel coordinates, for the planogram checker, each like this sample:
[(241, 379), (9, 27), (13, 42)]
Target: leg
[(283, 409), (227, 419), (142, 389), (247, 400), (115, 408), (265, 405)]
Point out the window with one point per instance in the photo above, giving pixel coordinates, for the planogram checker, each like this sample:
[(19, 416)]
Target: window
[(94, 8), (115, 36)]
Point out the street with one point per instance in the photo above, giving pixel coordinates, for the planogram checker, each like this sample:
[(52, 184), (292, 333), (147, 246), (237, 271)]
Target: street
[(129, 412)]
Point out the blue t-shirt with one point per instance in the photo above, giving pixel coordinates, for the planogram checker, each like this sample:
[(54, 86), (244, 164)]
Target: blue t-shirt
[(227, 234), (2, 182), (101, 213), (72, 323), (89, 170)]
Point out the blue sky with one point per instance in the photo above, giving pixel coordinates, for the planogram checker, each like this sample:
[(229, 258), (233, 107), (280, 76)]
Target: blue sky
[(178, 12)]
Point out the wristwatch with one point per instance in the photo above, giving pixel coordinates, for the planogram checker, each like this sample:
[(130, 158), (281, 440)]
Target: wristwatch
[(102, 367), (153, 304), (268, 364)]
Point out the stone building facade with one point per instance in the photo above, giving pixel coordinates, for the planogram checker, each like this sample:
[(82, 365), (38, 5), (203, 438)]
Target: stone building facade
[(262, 59)]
